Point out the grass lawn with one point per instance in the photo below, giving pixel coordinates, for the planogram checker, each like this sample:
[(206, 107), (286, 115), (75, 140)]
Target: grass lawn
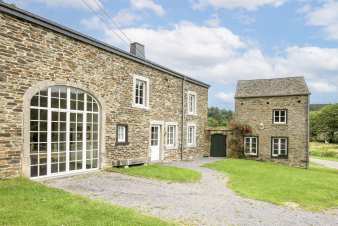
[(161, 172), (324, 151), (23, 202), (313, 189)]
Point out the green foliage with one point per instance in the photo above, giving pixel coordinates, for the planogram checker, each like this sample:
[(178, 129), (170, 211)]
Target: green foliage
[(23, 202), (324, 123), (161, 172), (317, 107), (325, 151), (219, 117), (314, 189)]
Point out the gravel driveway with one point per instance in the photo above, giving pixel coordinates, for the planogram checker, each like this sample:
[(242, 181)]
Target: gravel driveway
[(208, 202), (326, 163)]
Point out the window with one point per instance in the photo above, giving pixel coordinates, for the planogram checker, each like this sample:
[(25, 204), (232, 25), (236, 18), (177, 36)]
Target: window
[(192, 103), (191, 142), (171, 136), (279, 116), (121, 134), (141, 92), (250, 145), (64, 131), (279, 147)]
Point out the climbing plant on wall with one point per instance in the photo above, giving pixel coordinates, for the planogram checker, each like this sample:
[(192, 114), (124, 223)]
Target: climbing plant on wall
[(236, 143)]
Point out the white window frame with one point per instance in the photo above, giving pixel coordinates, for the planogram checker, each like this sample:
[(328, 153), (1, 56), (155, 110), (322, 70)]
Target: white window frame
[(194, 110), (68, 111), (121, 138), (145, 105), (250, 145), (280, 116), (175, 138), (193, 143), (279, 146)]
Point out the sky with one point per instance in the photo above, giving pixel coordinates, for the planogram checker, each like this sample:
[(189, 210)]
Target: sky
[(216, 41)]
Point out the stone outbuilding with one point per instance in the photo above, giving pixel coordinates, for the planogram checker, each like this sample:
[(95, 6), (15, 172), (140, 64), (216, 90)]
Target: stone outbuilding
[(277, 110)]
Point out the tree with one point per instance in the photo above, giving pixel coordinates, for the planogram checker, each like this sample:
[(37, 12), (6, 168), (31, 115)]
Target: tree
[(218, 117), (314, 116), (326, 121)]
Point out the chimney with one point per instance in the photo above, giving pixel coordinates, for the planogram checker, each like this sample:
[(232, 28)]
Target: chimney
[(137, 50)]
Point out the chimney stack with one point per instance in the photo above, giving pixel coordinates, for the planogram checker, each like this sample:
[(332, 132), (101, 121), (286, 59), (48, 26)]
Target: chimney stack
[(137, 50)]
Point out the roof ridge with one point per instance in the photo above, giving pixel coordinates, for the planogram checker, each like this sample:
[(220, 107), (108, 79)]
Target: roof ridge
[(273, 78)]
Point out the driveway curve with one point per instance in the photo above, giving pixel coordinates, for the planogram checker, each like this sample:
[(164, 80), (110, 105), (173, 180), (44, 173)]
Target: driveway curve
[(208, 202)]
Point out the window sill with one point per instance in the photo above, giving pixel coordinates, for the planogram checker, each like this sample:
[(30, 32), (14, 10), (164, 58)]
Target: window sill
[(141, 107), (192, 114), (280, 124), (121, 143), (251, 155), (171, 147), (191, 146)]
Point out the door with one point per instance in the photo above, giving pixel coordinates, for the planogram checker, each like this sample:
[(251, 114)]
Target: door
[(218, 145), (155, 142)]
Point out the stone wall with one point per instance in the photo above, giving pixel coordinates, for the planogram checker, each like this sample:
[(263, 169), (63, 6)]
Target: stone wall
[(257, 113), (31, 55)]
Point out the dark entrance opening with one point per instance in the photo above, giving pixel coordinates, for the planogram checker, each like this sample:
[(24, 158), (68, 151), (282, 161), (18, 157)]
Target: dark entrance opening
[(218, 145)]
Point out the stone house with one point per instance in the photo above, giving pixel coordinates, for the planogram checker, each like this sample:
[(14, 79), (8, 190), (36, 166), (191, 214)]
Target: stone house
[(70, 103), (277, 110)]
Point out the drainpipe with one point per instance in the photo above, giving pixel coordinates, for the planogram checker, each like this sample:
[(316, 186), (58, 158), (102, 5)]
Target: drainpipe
[(182, 127)]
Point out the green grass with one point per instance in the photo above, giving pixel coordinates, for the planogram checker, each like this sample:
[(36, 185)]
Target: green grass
[(23, 202), (161, 172), (324, 151), (313, 189)]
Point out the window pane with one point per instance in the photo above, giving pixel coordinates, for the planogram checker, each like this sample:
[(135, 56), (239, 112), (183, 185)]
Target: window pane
[(43, 102), (43, 115), (55, 103), (34, 126), (35, 101)]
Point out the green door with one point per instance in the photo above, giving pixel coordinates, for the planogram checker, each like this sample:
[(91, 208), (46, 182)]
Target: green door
[(218, 145)]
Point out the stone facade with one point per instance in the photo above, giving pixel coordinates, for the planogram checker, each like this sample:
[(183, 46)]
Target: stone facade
[(33, 57), (257, 113)]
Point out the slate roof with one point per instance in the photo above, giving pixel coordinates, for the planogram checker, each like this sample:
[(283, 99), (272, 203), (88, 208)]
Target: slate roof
[(288, 86), (35, 19)]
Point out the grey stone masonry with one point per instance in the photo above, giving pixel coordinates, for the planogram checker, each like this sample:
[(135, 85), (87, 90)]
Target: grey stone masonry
[(33, 56), (257, 112)]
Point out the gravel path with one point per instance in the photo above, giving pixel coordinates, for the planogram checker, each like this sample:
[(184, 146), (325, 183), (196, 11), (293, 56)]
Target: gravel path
[(326, 163), (208, 202)]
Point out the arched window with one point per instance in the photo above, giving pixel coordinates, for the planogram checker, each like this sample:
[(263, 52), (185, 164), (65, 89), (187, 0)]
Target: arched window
[(64, 131)]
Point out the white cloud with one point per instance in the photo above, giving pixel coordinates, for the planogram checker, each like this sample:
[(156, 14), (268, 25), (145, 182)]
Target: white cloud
[(234, 4), (218, 56), (76, 4), (148, 5), (325, 16), (225, 97), (322, 87)]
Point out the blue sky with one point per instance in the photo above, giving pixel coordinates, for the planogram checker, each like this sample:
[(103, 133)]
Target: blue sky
[(217, 41)]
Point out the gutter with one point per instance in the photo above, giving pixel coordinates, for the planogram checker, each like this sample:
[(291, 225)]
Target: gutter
[(182, 125), (43, 22)]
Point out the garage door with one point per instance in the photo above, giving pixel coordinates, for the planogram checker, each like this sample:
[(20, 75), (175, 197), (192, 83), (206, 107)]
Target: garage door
[(218, 145), (64, 131)]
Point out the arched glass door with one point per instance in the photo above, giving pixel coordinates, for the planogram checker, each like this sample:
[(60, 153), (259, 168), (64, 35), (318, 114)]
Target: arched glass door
[(64, 131)]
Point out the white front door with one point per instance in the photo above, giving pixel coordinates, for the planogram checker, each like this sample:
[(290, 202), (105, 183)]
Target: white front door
[(155, 142)]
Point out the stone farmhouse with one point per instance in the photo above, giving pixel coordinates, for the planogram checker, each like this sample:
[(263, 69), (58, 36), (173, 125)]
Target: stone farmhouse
[(72, 104)]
